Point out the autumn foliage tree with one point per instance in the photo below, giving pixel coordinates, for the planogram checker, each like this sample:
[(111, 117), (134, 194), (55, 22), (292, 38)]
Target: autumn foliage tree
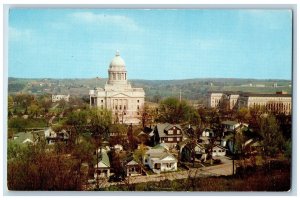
[(35, 168)]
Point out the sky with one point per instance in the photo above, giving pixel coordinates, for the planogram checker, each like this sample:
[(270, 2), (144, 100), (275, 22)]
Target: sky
[(155, 44)]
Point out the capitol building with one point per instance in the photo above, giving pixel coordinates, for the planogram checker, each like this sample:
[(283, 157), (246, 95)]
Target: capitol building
[(125, 102)]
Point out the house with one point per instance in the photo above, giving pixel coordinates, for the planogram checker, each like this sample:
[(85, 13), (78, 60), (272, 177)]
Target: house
[(102, 168), (158, 159), (230, 125), (168, 133), (186, 150), (118, 147), (59, 97), (207, 133), (25, 138), (233, 125), (52, 137), (146, 136), (133, 168), (218, 151)]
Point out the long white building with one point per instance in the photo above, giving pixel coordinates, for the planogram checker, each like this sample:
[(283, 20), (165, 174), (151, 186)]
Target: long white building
[(281, 102), (125, 102)]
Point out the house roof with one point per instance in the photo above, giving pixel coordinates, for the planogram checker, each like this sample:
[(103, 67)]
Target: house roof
[(161, 128), (104, 162), (161, 146), (154, 152), (265, 95), (167, 154), (218, 146), (24, 137), (132, 162), (183, 143), (232, 123)]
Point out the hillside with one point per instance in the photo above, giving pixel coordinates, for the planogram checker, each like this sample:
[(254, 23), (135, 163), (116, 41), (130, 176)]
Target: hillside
[(193, 89)]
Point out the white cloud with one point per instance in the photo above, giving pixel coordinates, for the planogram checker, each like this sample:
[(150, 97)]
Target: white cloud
[(16, 34), (107, 20)]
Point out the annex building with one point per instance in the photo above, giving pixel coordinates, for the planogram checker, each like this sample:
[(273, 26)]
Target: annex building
[(125, 102), (280, 102)]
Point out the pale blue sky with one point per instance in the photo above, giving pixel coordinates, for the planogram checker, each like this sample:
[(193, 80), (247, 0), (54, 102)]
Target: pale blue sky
[(155, 44)]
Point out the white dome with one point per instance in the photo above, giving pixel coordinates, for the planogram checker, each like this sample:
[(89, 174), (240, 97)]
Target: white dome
[(117, 62)]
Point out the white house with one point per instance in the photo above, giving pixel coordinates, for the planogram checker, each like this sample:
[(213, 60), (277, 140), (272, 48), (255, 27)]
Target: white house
[(230, 125), (160, 160), (102, 169), (218, 151), (208, 133), (118, 147), (58, 97), (133, 168)]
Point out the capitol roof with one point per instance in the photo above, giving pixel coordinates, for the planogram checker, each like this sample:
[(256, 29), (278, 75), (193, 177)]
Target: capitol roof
[(117, 62)]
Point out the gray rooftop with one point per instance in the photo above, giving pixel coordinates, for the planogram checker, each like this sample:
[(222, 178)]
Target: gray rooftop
[(161, 128)]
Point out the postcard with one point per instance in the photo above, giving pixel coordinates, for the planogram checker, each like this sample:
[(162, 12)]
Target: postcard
[(149, 99)]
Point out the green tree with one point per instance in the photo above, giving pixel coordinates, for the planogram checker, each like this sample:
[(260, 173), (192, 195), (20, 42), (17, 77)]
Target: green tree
[(34, 109), (10, 106), (174, 111), (99, 121), (243, 115), (45, 103), (77, 122), (139, 153), (273, 141)]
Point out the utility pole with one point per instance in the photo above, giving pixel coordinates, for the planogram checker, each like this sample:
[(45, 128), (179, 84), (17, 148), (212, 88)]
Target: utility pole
[(233, 151), (180, 95), (97, 81), (97, 181)]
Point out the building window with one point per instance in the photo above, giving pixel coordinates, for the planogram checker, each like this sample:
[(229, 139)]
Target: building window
[(116, 107), (169, 165), (157, 165), (114, 76), (101, 100), (119, 76), (124, 107), (138, 107), (120, 107), (138, 113), (138, 101)]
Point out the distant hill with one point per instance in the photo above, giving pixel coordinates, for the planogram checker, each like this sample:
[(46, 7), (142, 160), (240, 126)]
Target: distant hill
[(193, 89)]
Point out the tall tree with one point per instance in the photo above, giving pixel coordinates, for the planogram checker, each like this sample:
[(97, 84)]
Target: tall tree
[(273, 141), (77, 123), (173, 110)]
